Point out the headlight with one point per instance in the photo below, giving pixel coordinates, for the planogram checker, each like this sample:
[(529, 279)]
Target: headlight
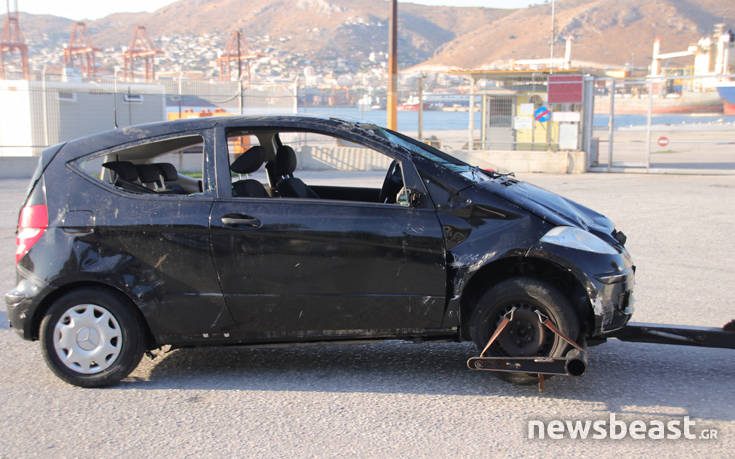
[(575, 238)]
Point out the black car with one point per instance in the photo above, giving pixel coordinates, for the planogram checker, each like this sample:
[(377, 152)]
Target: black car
[(199, 232)]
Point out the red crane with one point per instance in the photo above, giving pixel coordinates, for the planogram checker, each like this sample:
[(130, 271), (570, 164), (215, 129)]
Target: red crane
[(237, 51), (140, 48), (81, 47), (13, 41)]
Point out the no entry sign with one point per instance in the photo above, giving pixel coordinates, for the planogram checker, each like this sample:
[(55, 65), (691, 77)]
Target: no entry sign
[(662, 141), (542, 114)]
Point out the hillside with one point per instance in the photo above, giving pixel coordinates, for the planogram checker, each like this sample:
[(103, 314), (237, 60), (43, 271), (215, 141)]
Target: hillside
[(319, 29), (604, 31)]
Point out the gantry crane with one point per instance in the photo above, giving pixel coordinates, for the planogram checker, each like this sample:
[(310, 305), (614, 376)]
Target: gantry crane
[(81, 47), (13, 41), (236, 51), (140, 48)]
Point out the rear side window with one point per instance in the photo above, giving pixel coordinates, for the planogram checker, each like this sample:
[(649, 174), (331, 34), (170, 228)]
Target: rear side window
[(172, 166)]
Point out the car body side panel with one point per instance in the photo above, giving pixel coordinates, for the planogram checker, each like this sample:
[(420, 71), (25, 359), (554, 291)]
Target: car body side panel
[(155, 249)]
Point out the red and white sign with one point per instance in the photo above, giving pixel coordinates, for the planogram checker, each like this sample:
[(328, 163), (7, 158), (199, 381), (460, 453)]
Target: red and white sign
[(565, 89), (662, 141)]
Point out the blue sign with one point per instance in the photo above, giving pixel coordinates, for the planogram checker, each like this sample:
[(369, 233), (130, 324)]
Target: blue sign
[(542, 114)]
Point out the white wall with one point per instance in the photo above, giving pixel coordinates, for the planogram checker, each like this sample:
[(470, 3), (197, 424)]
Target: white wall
[(16, 136)]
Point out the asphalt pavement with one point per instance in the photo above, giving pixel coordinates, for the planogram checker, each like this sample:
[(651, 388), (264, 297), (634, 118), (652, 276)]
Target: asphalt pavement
[(412, 400)]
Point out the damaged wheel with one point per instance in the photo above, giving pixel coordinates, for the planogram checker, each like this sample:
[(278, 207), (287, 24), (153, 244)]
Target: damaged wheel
[(525, 336), (91, 338)]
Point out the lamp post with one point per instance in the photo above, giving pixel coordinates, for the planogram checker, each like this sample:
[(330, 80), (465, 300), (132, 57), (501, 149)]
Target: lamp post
[(553, 38), (114, 97), (392, 104), (44, 107), (421, 106)]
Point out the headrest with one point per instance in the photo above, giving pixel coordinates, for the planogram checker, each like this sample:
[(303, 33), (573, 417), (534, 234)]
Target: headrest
[(148, 173), (168, 171), (248, 162), (286, 159), (124, 169)]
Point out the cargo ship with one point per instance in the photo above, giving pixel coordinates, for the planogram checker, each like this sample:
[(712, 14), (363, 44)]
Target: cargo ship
[(727, 93), (672, 103)]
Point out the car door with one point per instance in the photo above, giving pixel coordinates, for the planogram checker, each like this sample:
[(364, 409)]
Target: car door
[(302, 269)]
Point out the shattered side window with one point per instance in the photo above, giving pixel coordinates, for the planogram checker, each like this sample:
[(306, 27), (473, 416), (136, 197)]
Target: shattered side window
[(173, 166), (318, 151)]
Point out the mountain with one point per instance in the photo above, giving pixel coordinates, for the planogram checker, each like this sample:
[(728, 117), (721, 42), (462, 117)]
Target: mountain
[(604, 31), (320, 29)]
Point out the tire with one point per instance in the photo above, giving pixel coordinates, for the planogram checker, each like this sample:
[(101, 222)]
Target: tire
[(92, 337), (525, 335)]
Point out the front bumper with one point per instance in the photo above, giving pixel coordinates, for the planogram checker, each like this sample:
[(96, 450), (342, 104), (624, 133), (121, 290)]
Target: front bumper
[(608, 281), (614, 302)]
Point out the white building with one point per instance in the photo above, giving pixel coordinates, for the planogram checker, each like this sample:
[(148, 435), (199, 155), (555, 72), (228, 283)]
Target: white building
[(37, 114)]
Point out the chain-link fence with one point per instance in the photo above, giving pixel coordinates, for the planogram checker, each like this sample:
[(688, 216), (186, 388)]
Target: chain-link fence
[(36, 114), (663, 123), (671, 122)]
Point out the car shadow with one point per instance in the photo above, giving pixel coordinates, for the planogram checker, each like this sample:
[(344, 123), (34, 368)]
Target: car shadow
[(626, 378)]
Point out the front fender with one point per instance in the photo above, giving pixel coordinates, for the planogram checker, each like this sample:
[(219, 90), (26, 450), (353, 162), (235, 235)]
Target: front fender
[(607, 279)]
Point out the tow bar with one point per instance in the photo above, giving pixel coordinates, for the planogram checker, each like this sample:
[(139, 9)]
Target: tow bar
[(575, 362), (682, 335)]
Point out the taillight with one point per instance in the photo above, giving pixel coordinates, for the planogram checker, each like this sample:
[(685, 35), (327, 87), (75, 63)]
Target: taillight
[(31, 226)]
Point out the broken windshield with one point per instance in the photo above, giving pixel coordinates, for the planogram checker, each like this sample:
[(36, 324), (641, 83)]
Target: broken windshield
[(472, 173)]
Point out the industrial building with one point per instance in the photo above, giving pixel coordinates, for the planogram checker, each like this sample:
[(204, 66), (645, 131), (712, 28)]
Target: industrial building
[(37, 113)]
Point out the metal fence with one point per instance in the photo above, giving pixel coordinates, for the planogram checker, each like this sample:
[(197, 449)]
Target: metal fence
[(655, 124), (36, 114), (669, 123)]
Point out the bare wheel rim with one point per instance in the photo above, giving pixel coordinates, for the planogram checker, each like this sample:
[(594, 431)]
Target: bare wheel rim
[(525, 335), (87, 338)]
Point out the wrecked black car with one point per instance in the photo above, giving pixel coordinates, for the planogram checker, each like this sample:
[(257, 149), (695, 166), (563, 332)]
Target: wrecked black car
[(200, 232)]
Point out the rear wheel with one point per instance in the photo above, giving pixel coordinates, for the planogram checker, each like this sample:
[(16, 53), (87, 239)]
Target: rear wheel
[(525, 336), (91, 337)]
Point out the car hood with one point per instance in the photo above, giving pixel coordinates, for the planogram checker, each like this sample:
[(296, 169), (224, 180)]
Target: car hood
[(549, 206)]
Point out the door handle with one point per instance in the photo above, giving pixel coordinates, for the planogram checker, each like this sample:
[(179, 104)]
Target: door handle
[(240, 220)]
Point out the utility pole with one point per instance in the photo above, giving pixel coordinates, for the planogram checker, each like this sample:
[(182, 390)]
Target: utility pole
[(553, 38), (421, 107), (239, 74), (392, 104)]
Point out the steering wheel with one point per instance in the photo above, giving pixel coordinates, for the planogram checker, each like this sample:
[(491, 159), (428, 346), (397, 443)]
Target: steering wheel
[(392, 183)]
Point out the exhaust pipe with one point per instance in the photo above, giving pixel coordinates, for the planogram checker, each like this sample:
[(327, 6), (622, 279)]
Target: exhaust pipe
[(576, 362)]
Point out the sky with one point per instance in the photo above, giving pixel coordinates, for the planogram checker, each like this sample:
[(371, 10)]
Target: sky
[(94, 9)]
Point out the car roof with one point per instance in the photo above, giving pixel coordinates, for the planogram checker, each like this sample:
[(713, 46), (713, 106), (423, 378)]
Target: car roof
[(108, 139)]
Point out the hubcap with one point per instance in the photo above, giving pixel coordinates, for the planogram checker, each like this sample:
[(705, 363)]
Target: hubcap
[(87, 338)]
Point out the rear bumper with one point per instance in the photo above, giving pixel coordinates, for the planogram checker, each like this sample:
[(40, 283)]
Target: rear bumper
[(21, 303), (19, 316)]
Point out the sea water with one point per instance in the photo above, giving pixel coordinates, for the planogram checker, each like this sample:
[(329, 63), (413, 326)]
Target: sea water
[(440, 121)]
